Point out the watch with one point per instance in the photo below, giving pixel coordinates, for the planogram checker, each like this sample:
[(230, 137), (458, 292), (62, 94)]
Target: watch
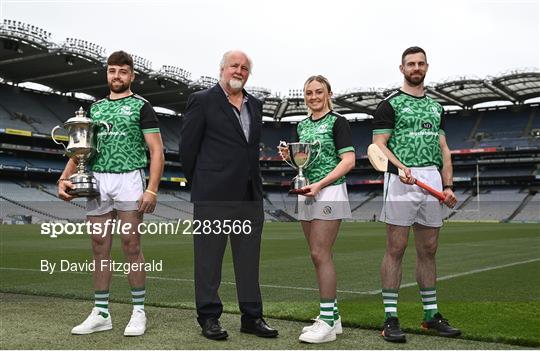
[(449, 186)]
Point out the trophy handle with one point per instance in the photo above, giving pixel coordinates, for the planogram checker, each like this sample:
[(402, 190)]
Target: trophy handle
[(312, 160), (54, 139), (285, 145)]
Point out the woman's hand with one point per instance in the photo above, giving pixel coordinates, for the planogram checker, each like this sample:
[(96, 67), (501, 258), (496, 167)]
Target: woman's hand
[(312, 190)]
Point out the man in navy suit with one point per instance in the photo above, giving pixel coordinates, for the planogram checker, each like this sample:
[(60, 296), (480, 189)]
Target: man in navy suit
[(219, 150)]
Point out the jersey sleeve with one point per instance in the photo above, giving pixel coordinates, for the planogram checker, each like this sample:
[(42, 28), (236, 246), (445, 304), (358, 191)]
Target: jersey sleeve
[(342, 136), (384, 118), (149, 121), (442, 131)]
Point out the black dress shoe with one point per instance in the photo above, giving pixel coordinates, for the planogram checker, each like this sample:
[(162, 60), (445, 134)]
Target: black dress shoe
[(258, 327), (213, 330)]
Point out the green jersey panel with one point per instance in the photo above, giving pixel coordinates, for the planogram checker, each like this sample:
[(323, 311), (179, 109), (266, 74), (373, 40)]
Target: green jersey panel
[(415, 125), (334, 134), (123, 148)]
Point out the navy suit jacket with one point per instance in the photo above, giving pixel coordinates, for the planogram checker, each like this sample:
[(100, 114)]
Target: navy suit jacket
[(216, 158)]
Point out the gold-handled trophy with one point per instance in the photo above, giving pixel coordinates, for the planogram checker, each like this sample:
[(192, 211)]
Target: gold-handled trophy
[(300, 157), (82, 145)]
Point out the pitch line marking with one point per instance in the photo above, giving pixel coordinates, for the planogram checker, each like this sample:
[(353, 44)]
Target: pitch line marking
[(370, 292), (456, 275)]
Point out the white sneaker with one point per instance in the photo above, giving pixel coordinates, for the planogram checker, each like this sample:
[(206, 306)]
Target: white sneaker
[(318, 333), (94, 323), (137, 324), (337, 326)]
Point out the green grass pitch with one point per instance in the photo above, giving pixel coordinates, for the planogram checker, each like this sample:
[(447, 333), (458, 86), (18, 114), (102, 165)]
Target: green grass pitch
[(490, 286)]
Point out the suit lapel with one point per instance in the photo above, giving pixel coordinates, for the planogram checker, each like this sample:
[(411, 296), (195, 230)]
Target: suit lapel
[(254, 116), (228, 109)]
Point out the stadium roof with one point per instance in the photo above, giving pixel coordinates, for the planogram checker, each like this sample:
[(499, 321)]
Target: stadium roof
[(515, 87), (27, 54)]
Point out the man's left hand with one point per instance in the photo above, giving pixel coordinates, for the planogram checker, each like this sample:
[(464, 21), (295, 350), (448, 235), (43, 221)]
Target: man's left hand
[(450, 199), (147, 203)]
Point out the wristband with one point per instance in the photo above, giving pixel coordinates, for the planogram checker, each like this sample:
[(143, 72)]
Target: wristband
[(451, 187), (151, 192)]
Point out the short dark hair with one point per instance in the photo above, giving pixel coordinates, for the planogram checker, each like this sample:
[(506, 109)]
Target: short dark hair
[(120, 58), (412, 50)]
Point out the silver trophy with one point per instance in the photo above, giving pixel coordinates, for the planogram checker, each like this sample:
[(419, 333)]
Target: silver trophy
[(300, 157), (82, 145)]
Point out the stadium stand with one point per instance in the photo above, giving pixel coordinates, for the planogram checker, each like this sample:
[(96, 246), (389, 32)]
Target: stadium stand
[(362, 132), (283, 201), (19, 199), (502, 141), (11, 160), (369, 209), (274, 132), (170, 131), (530, 211), (27, 109), (493, 205), (39, 202), (458, 128)]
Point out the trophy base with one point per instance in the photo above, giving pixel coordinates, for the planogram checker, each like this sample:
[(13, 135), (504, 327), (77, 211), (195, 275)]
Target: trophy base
[(85, 186), (297, 184), (298, 191)]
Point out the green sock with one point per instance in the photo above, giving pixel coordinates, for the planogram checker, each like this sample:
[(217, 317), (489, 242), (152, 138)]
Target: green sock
[(137, 298), (101, 301), (327, 311), (336, 310), (429, 302), (390, 297)]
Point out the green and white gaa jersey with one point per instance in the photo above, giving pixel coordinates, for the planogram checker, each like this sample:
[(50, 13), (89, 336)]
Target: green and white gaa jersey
[(123, 149), (334, 134), (414, 124)]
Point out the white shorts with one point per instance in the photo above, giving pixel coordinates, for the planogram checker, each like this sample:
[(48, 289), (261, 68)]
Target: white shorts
[(406, 204), (331, 203), (119, 191)]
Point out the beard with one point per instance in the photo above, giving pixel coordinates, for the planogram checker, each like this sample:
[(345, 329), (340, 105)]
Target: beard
[(118, 88), (236, 84), (417, 80)]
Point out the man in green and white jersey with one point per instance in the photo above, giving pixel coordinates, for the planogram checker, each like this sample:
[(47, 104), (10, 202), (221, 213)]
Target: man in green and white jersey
[(409, 128), (119, 170)]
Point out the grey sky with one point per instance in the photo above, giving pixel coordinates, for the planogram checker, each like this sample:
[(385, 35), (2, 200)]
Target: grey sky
[(353, 43)]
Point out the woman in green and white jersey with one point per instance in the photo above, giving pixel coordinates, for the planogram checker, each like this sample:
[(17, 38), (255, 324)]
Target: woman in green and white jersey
[(325, 203)]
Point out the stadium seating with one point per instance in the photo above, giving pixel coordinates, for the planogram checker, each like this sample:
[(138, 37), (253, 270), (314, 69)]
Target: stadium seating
[(367, 207), (22, 199), (492, 205), (170, 127), (39, 201), (362, 133), (273, 134), (531, 211), (26, 108), (496, 125), (38, 112), (458, 129), (6, 159), (282, 200)]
